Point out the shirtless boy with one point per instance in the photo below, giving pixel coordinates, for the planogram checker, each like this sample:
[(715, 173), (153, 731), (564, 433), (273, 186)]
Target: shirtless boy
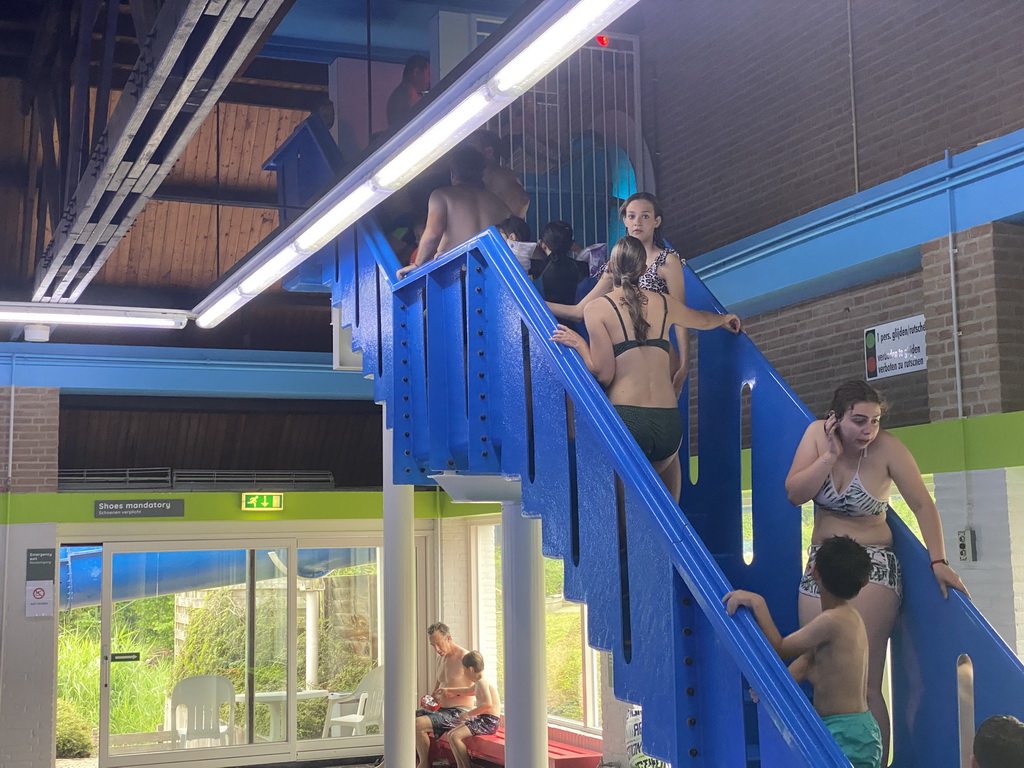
[(484, 718), (832, 649), (451, 674), (459, 212)]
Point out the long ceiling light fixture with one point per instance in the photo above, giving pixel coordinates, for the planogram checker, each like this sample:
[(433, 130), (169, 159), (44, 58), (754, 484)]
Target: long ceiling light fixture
[(539, 43), (83, 314)]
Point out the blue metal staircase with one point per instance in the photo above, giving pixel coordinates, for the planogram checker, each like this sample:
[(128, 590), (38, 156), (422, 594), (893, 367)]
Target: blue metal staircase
[(460, 353)]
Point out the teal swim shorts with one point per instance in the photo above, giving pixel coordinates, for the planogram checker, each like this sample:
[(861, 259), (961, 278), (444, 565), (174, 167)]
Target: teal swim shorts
[(859, 738)]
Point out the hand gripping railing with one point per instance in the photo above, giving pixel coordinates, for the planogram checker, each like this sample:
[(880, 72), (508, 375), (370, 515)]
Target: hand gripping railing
[(460, 353)]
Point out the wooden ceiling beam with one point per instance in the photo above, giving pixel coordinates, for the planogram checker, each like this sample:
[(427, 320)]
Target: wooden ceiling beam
[(238, 197), (141, 145), (106, 70), (163, 49), (144, 14), (44, 45)]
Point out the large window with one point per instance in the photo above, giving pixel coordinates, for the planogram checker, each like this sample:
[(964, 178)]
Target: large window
[(573, 671), (226, 651)]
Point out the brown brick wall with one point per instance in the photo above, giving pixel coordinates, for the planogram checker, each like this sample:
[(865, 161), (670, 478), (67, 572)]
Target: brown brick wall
[(1008, 252), (990, 287), (747, 105), (818, 344), (740, 95), (36, 420)]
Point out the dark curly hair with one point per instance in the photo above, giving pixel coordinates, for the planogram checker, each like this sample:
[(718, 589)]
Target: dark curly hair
[(844, 566), (850, 393)]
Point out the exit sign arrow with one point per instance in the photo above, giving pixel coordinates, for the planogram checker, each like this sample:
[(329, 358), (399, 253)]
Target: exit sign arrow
[(263, 501)]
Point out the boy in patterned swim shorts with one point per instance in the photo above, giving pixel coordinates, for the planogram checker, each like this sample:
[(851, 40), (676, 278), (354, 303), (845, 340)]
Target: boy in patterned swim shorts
[(831, 649), (484, 718)]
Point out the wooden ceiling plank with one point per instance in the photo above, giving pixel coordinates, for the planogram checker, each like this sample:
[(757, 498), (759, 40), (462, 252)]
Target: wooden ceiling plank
[(232, 129), (209, 245), (163, 229), (173, 259)]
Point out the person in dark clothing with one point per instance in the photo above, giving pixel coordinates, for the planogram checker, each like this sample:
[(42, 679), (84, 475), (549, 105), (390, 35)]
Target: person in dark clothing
[(561, 274)]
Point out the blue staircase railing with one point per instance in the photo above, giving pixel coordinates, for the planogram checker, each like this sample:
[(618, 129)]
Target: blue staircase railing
[(460, 353)]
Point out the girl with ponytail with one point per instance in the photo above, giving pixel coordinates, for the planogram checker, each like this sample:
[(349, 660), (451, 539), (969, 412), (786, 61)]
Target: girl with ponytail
[(662, 271), (633, 360)]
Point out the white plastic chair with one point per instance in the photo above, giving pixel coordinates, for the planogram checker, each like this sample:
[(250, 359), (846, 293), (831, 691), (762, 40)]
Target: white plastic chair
[(202, 697), (366, 703)]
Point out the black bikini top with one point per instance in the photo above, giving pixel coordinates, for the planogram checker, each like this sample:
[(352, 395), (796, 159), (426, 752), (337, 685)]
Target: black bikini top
[(628, 343)]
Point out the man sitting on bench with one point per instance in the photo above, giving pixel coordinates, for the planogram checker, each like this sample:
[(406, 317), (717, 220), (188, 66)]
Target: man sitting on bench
[(484, 718), (450, 674)]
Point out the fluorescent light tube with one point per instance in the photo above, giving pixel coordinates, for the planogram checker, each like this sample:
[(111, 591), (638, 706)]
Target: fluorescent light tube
[(411, 153), (343, 214), (554, 44), (83, 314), (221, 308), (273, 270), (438, 139)]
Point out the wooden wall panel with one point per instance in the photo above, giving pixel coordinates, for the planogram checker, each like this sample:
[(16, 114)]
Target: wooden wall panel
[(347, 444)]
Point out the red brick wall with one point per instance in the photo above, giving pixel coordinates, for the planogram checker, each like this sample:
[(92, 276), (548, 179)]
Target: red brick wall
[(36, 417), (747, 105)]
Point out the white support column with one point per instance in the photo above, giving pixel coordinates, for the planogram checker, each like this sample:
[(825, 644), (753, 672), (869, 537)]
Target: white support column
[(526, 707), (312, 598), (400, 635)]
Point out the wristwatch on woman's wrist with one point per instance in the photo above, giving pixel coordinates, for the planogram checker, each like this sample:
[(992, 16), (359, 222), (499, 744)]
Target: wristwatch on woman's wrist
[(942, 560)]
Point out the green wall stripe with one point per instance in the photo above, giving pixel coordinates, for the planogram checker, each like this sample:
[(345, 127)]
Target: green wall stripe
[(982, 442), (204, 506)]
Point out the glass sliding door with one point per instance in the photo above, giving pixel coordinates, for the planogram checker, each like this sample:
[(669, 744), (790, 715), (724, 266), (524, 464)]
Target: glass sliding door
[(229, 653), (339, 644), (194, 655)]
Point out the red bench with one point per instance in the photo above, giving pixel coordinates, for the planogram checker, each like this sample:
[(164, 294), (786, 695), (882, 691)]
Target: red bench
[(492, 749)]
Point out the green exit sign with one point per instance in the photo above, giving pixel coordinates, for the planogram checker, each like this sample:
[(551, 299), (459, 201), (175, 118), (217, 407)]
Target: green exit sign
[(263, 501)]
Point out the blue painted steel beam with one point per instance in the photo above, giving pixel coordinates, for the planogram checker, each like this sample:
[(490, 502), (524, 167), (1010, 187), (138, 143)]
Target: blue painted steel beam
[(174, 371), (868, 235)]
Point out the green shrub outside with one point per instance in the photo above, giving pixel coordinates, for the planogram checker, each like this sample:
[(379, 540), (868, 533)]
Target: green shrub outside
[(74, 737), (136, 688)]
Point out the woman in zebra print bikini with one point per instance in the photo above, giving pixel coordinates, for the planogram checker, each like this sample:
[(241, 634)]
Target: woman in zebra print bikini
[(849, 451)]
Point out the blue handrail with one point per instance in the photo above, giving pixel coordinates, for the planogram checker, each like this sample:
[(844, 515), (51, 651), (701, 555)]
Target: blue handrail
[(460, 352)]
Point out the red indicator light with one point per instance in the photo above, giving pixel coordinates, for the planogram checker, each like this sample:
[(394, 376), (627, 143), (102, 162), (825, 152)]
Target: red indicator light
[(602, 40)]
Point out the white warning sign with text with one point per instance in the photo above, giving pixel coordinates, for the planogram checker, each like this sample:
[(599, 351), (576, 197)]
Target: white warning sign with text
[(895, 348)]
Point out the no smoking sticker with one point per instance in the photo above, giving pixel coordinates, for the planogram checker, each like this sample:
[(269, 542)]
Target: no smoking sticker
[(39, 598)]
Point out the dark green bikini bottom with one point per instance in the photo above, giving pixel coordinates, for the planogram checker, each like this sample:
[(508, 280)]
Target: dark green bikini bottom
[(658, 431)]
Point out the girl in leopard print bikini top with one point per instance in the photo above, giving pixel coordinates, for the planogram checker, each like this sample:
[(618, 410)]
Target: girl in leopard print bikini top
[(641, 216)]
